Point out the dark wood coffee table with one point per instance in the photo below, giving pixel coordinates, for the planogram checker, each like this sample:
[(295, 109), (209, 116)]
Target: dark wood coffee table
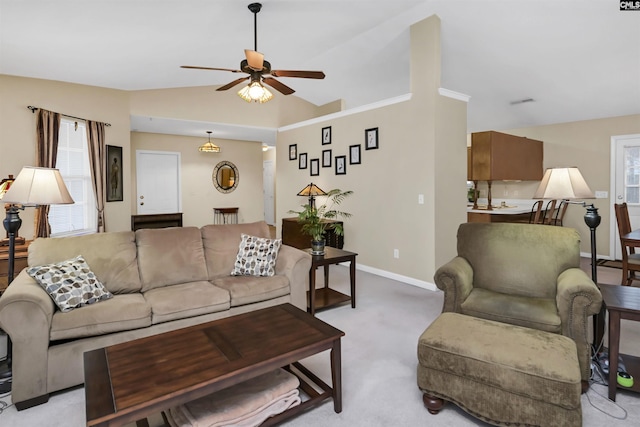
[(622, 302), (128, 382)]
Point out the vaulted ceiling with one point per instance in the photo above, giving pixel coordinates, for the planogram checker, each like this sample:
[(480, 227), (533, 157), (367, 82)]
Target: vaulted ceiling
[(576, 60)]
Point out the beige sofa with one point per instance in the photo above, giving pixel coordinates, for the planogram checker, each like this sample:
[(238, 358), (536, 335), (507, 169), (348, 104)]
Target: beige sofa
[(161, 279)]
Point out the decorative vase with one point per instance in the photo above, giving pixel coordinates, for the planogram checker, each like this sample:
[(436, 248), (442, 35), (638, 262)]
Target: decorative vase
[(317, 247)]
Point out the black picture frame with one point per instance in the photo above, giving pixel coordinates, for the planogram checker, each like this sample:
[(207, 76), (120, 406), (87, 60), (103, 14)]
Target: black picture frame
[(341, 165), (354, 154), (371, 139), (113, 174), (293, 151), (326, 158), (326, 135), (314, 167), (302, 161)]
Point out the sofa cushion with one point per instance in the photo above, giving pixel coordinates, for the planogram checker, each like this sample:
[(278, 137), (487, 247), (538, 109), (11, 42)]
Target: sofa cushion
[(256, 256), (71, 283), (120, 313), (170, 256), (250, 289), (186, 300), (112, 257), (221, 244), (539, 313)]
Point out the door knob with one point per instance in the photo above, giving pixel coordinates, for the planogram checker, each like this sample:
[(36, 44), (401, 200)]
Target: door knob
[(619, 197), (141, 203)]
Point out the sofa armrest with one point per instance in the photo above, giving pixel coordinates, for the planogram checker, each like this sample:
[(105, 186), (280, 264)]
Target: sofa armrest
[(578, 298), (295, 265), (455, 278), (25, 314)]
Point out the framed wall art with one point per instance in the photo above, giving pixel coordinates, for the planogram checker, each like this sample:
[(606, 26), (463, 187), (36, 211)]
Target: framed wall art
[(293, 151), (114, 174), (341, 165), (314, 167), (326, 158), (371, 139), (326, 135), (302, 161), (354, 154)]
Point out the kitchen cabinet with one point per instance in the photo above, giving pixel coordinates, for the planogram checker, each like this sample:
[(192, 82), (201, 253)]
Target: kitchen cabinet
[(498, 156)]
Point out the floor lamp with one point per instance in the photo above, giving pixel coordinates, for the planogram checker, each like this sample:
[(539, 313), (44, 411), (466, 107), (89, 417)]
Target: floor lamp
[(568, 184), (34, 186)]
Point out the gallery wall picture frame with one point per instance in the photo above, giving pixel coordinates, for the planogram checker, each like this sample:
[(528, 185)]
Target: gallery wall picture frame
[(314, 167), (302, 161), (326, 158), (354, 154), (341, 165), (293, 151), (371, 139), (326, 135), (114, 174)]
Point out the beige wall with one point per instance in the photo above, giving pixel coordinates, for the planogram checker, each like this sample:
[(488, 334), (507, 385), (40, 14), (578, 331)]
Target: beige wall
[(587, 145), (199, 196), (418, 138), (18, 134)]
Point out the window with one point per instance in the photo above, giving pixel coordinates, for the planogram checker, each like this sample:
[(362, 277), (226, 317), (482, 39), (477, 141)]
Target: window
[(73, 162)]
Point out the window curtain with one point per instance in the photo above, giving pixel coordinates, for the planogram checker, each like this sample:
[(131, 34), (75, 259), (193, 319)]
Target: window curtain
[(97, 160), (47, 130)]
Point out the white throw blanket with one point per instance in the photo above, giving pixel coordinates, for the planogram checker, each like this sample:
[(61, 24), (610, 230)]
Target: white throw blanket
[(246, 404)]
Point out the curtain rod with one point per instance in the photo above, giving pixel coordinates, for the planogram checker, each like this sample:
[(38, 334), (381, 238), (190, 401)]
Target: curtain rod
[(33, 110)]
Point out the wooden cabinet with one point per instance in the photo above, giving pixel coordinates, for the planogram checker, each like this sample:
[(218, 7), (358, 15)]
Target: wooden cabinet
[(20, 262), (156, 221), (292, 235), (499, 156)]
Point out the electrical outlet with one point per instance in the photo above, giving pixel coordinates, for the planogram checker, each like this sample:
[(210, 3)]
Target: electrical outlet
[(421, 199), (602, 194), (396, 253)]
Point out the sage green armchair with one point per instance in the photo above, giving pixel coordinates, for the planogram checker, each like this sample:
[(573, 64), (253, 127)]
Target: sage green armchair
[(526, 275)]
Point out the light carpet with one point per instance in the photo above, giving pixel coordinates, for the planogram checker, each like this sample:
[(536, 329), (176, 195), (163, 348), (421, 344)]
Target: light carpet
[(378, 367)]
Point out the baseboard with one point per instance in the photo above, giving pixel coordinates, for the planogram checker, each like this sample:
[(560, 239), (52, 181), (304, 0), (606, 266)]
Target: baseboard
[(394, 276)]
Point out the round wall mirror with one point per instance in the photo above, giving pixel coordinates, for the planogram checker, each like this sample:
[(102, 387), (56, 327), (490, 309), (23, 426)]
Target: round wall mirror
[(225, 177)]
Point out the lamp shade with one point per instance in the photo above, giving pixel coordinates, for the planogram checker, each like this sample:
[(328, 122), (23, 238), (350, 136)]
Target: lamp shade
[(38, 186), (563, 183), (312, 190)]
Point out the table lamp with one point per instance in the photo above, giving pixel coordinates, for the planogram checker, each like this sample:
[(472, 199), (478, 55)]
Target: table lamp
[(312, 191), (34, 186)]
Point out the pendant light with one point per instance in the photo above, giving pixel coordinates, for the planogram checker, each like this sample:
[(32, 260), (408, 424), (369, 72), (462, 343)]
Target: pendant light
[(209, 147)]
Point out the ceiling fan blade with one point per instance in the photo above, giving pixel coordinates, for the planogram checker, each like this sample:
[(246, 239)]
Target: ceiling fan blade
[(254, 59), (233, 83), (303, 74), (280, 87), (193, 67)]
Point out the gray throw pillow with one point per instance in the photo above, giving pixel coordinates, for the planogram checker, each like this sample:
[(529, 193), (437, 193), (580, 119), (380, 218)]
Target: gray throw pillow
[(256, 256), (71, 283)]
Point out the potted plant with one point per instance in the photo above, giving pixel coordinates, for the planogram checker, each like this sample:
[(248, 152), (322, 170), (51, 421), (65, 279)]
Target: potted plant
[(314, 219)]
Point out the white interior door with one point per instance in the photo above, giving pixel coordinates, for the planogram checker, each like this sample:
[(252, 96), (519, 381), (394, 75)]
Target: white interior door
[(158, 182), (268, 182), (626, 173)]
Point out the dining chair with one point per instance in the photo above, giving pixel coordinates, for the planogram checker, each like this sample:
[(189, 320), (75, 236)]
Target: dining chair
[(557, 215), (536, 216), (630, 259)]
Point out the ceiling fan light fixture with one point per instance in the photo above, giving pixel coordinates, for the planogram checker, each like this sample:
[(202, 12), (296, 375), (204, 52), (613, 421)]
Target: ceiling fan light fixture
[(209, 147), (255, 92)]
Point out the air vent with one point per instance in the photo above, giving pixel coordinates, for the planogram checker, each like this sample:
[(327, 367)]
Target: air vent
[(522, 101)]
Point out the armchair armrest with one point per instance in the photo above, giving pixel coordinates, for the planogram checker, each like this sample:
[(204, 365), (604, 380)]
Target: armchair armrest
[(295, 265), (25, 314), (578, 298), (455, 278)]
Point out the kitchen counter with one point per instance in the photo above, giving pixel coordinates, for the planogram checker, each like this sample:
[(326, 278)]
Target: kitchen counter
[(513, 211)]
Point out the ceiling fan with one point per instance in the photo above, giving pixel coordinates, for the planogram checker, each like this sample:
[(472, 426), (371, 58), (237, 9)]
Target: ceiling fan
[(257, 68)]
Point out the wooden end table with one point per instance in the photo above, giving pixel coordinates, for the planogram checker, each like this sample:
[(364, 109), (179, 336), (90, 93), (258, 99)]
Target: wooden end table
[(622, 302), (327, 297), (129, 381)]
